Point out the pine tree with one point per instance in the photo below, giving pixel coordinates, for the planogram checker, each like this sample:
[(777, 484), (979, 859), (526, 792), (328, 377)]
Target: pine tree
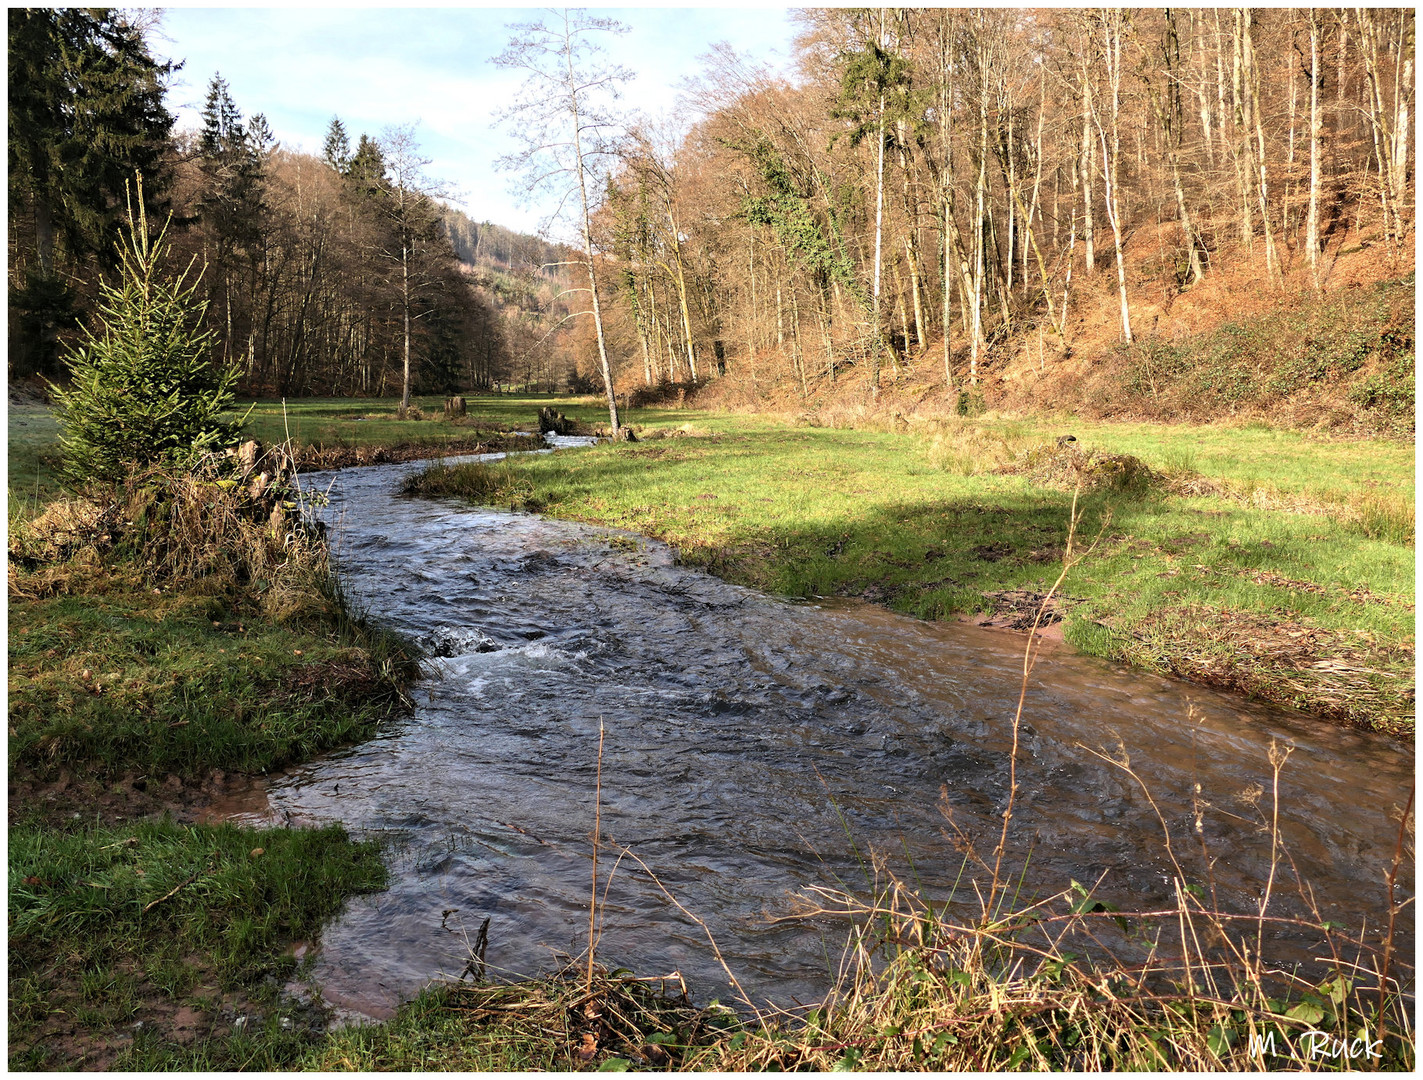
[(143, 389), (337, 147), (367, 168), (85, 113), (261, 140), (231, 159)]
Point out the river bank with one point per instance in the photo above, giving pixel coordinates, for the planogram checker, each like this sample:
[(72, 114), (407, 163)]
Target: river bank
[(124, 992), (1259, 561), (144, 932)]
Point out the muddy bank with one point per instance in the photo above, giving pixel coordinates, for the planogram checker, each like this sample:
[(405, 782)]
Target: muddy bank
[(340, 457), (58, 803)]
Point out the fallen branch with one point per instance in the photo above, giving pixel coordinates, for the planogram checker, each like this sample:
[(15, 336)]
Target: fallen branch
[(176, 889)]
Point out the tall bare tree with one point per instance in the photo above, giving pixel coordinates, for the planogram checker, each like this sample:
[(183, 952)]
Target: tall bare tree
[(563, 117), (414, 219)]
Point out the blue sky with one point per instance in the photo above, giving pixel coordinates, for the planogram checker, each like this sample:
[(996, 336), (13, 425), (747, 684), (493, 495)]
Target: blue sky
[(379, 66)]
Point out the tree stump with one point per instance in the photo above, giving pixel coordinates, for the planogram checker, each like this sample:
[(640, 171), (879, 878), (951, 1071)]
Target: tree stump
[(454, 408), (552, 421)]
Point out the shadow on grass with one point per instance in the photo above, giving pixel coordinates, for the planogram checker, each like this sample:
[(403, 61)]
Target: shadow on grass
[(1234, 597)]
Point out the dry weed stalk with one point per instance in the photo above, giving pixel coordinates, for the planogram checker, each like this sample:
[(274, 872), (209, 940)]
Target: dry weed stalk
[(1008, 991), (736, 984), (1003, 990), (1030, 655), (597, 829)]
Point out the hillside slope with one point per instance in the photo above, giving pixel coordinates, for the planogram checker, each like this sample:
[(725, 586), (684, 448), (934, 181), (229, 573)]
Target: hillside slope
[(1234, 347)]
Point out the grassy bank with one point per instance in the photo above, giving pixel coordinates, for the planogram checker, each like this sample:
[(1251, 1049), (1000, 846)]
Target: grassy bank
[(167, 638), (142, 940), (336, 432), (1257, 560), (155, 945)]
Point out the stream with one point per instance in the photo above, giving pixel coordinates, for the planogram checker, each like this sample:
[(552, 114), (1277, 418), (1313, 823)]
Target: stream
[(754, 746)]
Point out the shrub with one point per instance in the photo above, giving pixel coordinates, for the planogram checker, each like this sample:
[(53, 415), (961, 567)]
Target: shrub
[(1390, 394), (143, 389), (970, 403)]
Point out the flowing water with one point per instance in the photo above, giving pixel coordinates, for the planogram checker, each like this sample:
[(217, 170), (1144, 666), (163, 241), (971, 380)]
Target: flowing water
[(755, 746)]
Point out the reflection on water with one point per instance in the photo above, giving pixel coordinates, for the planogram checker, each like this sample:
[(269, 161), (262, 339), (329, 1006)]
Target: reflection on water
[(755, 746)]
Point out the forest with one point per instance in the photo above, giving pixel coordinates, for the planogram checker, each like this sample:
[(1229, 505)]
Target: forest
[(321, 274), (935, 190), (937, 186)]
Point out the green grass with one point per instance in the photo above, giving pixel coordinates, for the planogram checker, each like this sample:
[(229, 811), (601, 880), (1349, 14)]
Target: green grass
[(33, 447), (373, 421), (1255, 456), (118, 668), (114, 925), (816, 511), (434, 1034), (119, 681), (113, 679)]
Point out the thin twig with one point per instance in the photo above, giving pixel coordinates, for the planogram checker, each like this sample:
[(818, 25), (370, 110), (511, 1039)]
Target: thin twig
[(173, 891), (1029, 659), (597, 828), (1393, 907), (705, 929)]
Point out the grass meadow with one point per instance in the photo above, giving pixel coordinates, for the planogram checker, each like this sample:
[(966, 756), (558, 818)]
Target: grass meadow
[(1261, 561), (1254, 559)]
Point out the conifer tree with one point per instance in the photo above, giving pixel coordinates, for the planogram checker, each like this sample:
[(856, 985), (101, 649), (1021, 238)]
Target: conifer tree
[(367, 169), (231, 163), (85, 113), (337, 147), (230, 157), (143, 389)]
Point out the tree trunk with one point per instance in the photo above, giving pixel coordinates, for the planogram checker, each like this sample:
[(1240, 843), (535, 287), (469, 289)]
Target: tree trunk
[(592, 267), (876, 336), (751, 322), (1311, 240), (1112, 31), (1089, 238), (796, 354), (1251, 95), (405, 312), (681, 280)]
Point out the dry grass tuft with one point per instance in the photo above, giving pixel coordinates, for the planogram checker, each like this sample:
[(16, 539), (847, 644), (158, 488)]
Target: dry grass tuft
[(968, 449), (1065, 465), (615, 1019), (1386, 517), (234, 525), (1070, 983), (1347, 677), (681, 431)]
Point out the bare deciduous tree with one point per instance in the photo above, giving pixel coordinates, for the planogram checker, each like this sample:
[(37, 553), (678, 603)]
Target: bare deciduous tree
[(414, 220), (563, 118)]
